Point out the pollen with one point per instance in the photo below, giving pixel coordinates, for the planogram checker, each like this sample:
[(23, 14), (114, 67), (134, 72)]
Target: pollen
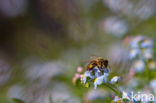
[(90, 66), (96, 80)]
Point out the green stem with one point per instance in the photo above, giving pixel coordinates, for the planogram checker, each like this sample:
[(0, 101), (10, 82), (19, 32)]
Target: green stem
[(148, 72), (114, 89)]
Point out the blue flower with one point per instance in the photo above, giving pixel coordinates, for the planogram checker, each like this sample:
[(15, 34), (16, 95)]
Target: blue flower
[(141, 46), (100, 80), (147, 44), (85, 75), (134, 53)]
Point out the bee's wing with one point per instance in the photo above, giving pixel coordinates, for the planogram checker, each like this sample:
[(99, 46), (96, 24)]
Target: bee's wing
[(94, 57)]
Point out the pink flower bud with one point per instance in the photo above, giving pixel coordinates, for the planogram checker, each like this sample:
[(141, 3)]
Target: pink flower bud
[(79, 69)]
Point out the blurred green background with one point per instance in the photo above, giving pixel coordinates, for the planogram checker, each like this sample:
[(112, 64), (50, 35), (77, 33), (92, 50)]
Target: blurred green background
[(43, 41)]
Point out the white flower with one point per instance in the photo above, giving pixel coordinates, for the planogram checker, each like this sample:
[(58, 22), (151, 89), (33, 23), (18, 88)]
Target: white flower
[(125, 96), (147, 53), (139, 66), (115, 79), (153, 85), (116, 99)]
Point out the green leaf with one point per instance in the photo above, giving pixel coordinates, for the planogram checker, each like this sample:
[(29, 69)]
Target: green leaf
[(16, 100)]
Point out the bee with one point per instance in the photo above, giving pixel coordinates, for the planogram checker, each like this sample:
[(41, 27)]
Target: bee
[(98, 62)]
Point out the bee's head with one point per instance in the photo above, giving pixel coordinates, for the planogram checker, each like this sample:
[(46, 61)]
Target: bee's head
[(106, 63)]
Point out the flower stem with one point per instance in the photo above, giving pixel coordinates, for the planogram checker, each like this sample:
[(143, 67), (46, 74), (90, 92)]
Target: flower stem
[(148, 72), (114, 89)]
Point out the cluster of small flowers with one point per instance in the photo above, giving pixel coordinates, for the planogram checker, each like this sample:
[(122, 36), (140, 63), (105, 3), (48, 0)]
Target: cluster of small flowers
[(97, 74), (125, 96), (131, 97), (141, 47), (77, 75), (132, 9), (97, 77), (141, 50)]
